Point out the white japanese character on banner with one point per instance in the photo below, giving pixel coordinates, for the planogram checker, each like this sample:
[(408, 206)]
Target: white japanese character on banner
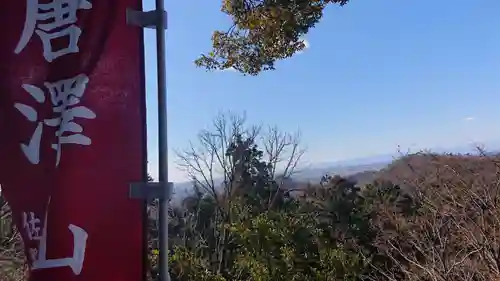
[(39, 256), (65, 95), (32, 226), (62, 16)]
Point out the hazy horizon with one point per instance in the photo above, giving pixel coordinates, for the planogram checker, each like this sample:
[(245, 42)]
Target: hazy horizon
[(373, 159)]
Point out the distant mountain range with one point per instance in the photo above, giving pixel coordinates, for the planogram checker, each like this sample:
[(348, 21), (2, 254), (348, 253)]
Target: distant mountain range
[(314, 174), (361, 169)]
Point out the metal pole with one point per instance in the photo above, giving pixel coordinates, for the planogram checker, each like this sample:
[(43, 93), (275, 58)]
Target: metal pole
[(162, 139)]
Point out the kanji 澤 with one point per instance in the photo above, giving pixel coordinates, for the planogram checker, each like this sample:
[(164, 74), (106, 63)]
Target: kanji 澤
[(65, 96), (61, 17)]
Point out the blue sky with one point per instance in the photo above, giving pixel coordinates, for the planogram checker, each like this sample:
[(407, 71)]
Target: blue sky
[(377, 74)]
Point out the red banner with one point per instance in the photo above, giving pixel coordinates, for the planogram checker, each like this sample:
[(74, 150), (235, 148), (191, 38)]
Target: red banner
[(72, 135)]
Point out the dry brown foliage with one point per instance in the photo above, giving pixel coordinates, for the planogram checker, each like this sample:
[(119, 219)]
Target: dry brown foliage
[(424, 169), (455, 230)]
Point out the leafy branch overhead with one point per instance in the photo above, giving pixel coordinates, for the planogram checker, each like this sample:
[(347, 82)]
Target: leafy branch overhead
[(263, 32)]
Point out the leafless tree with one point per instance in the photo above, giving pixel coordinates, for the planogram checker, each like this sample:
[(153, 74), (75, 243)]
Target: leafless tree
[(282, 150), (214, 172)]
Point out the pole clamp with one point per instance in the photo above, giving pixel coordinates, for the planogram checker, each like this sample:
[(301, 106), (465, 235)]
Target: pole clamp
[(151, 190), (148, 19)]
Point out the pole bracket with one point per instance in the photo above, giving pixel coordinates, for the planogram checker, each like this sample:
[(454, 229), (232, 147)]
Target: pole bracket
[(151, 190), (149, 19)]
